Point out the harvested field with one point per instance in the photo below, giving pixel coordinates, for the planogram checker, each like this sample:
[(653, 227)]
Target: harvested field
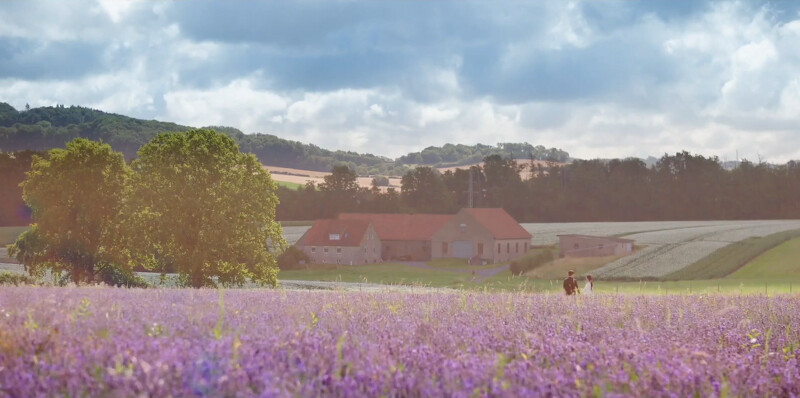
[(525, 174), (297, 176)]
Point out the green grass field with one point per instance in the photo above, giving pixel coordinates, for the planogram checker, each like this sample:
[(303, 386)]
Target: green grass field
[(729, 259), (287, 184), (388, 273), (399, 274), (779, 263), (9, 234)]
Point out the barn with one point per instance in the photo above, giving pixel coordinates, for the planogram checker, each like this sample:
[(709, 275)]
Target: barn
[(348, 242), (572, 245), (487, 235), (404, 237)]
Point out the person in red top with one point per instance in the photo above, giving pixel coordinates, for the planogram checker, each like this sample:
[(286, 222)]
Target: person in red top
[(570, 284)]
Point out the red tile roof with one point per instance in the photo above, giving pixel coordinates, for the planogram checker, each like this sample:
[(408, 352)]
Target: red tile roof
[(499, 223), (351, 233), (402, 226)]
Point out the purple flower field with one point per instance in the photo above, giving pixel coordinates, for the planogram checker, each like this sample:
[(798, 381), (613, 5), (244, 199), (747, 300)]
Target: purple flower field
[(116, 342)]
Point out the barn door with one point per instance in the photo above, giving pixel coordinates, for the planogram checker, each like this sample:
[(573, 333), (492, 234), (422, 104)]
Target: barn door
[(462, 249)]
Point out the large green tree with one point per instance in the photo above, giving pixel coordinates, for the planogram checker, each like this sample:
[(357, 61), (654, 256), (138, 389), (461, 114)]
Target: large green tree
[(203, 208), (75, 195), (424, 190)]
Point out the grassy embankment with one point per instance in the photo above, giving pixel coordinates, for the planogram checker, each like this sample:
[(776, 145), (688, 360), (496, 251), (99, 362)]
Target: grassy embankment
[(727, 260)]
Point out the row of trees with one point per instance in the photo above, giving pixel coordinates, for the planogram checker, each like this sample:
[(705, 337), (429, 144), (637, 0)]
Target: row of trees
[(191, 203), (678, 187)]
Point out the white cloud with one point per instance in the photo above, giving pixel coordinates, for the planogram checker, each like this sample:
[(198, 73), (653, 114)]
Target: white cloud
[(726, 79), (236, 104)]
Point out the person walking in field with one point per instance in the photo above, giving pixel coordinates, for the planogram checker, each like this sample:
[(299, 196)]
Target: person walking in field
[(589, 288), (570, 284)]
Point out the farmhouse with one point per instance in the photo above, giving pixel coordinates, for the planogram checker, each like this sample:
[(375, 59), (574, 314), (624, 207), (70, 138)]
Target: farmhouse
[(405, 237), (486, 235), (341, 242), (592, 246)]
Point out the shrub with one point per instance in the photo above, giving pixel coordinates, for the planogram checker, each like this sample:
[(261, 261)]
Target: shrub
[(530, 261), (114, 276), (380, 181), (7, 278), (292, 258)]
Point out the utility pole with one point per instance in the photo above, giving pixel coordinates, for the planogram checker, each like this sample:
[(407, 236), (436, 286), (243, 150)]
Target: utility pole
[(469, 200)]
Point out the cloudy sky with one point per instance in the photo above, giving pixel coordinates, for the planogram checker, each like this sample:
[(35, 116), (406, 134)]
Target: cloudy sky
[(595, 78)]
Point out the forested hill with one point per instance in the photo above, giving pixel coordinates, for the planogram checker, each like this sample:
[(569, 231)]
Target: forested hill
[(459, 155), (40, 129)]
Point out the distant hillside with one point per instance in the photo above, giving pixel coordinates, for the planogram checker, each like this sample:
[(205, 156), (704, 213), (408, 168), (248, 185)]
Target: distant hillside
[(40, 129), (460, 155)]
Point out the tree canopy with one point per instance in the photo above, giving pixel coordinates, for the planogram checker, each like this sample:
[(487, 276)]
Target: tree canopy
[(75, 195), (205, 209)]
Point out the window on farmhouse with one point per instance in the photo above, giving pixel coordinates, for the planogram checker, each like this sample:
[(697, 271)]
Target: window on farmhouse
[(334, 237), (498, 248), (339, 250), (313, 249), (508, 247), (480, 249), (325, 249), (444, 248), (516, 247)]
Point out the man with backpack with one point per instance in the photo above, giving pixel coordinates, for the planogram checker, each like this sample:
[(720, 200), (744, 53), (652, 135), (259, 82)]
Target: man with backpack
[(570, 284)]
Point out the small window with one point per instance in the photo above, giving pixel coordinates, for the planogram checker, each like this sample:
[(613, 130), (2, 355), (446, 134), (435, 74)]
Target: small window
[(334, 237), (516, 247), (325, 249), (444, 248), (575, 246), (498, 248), (365, 249), (313, 249), (339, 250), (508, 247)]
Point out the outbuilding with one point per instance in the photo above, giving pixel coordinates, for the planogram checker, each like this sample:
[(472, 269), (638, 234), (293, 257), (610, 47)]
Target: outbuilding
[(347, 242), (572, 245), (487, 235), (404, 237)]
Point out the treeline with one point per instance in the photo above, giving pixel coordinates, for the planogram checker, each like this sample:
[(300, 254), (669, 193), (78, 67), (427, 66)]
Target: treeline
[(44, 128), (678, 187), (460, 155)]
